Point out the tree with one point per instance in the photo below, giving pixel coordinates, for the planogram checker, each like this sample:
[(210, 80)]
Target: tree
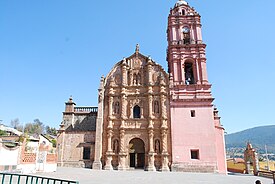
[(37, 127), (51, 130), (15, 123), (3, 133)]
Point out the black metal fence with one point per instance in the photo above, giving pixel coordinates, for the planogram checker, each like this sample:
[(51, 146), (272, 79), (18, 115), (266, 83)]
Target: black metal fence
[(8, 178), (268, 174)]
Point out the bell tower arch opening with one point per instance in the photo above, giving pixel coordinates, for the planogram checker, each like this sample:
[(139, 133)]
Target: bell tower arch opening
[(189, 73), (137, 153)]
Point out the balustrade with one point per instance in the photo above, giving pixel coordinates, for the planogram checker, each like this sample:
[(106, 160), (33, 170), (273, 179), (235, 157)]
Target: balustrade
[(86, 109)]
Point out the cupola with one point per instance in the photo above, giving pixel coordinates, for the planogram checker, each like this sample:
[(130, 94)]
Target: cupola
[(180, 2)]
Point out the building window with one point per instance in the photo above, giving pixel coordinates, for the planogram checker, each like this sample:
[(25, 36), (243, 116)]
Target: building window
[(189, 74), (183, 12), (86, 153), (193, 113), (186, 35), (195, 154), (136, 111)]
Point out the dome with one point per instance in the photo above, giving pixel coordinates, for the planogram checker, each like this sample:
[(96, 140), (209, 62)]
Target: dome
[(181, 2)]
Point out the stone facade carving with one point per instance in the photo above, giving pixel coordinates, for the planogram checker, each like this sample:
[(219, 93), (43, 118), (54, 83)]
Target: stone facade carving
[(142, 101)]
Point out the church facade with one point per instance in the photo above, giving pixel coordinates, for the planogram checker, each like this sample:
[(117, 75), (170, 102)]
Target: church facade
[(147, 118)]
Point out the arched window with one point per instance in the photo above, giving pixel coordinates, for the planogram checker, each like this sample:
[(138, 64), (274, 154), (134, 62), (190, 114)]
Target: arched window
[(136, 111), (189, 74), (183, 12), (186, 35)]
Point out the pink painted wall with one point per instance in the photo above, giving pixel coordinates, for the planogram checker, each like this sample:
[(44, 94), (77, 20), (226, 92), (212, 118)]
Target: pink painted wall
[(193, 133)]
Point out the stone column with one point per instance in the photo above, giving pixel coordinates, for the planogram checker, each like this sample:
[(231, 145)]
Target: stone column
[(124, 72), (109, 153), (175, 68), (141, 110), (204, 79), (198, 72), (150, 81), (111, 100), (163, 105), (97, 165), (123, 105), (182, 72), (122, 153), (165, 154), (131, 77), (150, 102), (151, 154)]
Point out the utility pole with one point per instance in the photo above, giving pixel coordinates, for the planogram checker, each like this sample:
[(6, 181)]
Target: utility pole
[(267, 158)]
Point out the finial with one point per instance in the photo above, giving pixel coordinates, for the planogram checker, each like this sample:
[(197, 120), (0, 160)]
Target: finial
[(137, 48), (124, 61), (71, 98)]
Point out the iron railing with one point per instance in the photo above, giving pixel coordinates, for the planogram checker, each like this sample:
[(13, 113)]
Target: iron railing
[(268, 174), (8, 178)]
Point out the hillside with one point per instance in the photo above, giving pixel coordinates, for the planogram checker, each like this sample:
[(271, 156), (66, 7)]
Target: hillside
[(258, 136)]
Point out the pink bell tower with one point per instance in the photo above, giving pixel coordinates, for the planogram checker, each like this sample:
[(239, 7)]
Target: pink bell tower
[(197, 135)]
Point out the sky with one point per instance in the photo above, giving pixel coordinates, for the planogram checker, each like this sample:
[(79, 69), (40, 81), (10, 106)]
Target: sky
[(50, 50)]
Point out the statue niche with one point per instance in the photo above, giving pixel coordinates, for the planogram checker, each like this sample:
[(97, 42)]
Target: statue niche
[(116, 146), (116, 108), (157, 146), (156, 107), (137, 79)]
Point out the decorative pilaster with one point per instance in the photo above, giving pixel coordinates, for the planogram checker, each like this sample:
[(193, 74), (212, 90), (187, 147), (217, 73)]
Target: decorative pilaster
[(149, 68), (123, 105), (122, 154), (182, 72), (150, 101), (97, 165), (198, 71), (109, 153), (111, 100), (204, 79), (163, 106), (124, 72), (165, 154), (151, 154)]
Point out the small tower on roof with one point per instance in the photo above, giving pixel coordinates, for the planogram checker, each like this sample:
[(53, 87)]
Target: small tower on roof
[(69, 106)]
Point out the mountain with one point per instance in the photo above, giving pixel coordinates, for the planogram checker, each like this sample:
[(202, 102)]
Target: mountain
[(258, 137)]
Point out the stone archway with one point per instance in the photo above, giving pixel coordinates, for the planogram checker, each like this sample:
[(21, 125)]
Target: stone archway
[(136, 153)]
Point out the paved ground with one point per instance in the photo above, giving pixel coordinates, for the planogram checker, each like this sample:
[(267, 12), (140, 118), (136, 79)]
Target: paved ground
[(88, 176)]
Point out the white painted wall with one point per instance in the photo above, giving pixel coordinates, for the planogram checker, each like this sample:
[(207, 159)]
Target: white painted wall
[(9, 156)]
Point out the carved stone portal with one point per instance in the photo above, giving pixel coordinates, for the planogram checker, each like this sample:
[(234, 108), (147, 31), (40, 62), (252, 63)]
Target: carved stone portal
[(136, 129)]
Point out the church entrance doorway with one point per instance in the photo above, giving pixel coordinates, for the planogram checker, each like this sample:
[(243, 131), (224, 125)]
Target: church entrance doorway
[(137, 153)]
